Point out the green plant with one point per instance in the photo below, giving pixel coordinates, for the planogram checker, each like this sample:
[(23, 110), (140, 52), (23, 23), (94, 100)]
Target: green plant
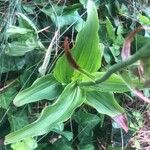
[(79, 83), (88, 55)]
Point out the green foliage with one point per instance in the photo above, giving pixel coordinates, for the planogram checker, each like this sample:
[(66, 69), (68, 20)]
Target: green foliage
[(7, 96), (24, 38), (87, 54), (62, 144), (62, 106), (18, 120), (71, 98), (86, 123), (110, 30), (27, 144), (8, 63), (104, 103), (144, 20), (113, 84), (43, 88), (63, 15)]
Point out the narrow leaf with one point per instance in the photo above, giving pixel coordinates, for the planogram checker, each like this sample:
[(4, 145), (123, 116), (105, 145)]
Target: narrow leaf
[(15, 31), (46, 87), (110, 30), (71, 98), (104, 103), (86, 50), (22, 38), (114, 84), (121, 120), (134, 89), (19, 48), (26, 22)]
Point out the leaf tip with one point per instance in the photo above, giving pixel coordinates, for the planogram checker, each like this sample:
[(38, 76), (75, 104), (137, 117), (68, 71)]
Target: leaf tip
[(122, 121), (17, 103)]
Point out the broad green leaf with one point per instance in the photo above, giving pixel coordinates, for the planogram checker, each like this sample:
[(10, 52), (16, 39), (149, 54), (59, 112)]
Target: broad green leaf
[(46, 87), (104, 103), (7, 96), (18, 120), (27, 144), (22, 38), (86, 123), (25, 22), (114, 84), (71, 98), (17, 31), (86, 50), (62, 15), (18, 48), (59, 129), (8, 63)]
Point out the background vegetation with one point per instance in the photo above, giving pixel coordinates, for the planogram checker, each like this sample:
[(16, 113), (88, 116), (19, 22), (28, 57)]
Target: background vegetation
[(36, 77)]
